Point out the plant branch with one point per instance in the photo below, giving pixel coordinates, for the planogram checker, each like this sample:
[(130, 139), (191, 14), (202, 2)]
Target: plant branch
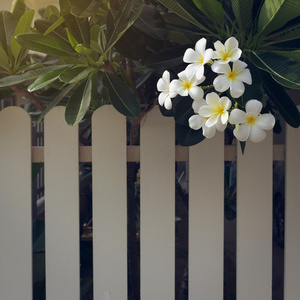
[(28, 95)]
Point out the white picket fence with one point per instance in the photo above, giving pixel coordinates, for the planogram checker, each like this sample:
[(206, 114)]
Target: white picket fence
[(157, 154)]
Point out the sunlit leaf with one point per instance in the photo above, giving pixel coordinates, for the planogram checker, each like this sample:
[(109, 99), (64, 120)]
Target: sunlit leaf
[(79, 103), (8, 24), (23, 26), (45, 44), (75, 74), (276, 13)]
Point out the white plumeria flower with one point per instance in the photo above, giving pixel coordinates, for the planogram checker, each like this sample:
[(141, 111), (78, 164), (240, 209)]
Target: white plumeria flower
[(197, 121), (215, 110), (198, 58), (231, 78), (251, 124), (187, 85), (228, 52), (163, 86)]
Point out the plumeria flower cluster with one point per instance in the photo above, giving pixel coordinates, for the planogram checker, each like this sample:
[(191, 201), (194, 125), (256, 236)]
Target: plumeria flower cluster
[(212, 110)]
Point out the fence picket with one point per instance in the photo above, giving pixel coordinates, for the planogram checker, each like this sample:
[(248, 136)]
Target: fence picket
[(254, 221), (292, 216), (15, 205), (206, 219), (61, 208), (109, 204), (157, 207)]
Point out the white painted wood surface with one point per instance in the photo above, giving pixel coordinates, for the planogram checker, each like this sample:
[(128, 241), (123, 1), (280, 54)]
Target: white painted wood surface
[(292, 215), (254, 221), (61, 207), (109, 204), (157, 207), (206, 219), (15, 205)]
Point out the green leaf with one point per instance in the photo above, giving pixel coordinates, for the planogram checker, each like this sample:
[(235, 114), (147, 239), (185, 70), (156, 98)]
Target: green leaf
[(276, 13), (8, 24), (122, 22), (18, 8), (121, 96), (55, 25), (4, 60), (45, 79), (182, 109), (213, 9), (284, 104), (293, 54), (86, 8), (187, 136), (45, 44), (75, 74), (242, 10), (23, 26), (56, 101), (42, 25), (286, 37), (166, 59), (32, 74), (150, 21), (79, 103), (181, 11), (284, 70), (52, 13)]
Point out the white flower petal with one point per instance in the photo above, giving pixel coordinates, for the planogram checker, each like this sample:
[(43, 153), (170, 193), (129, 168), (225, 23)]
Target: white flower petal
[(257, 134), (224, 117), (220, 127), (220, 68), (245, 76), (166, 76), (253, 106), (209, 132), (196, 92), (208, 55), (235, 54), (237, 89), (212, 120), (219, 46), (196, 122), (162, 98), (239, 65), (190, 56), (265, 121), (221, 83), (237, 116), (231, 43), (242, 133), (212, 99), (197, 103), (200, 73), (200, 46), (175, 85), (225, 102), (168, 103), (161, 85)]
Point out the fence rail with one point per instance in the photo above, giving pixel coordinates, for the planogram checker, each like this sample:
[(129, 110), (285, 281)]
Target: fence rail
[(157, 154)]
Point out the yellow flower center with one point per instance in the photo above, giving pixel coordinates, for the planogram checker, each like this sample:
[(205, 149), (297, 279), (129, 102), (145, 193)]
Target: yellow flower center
[(186, 85), (225, 56), (201, 59), (250, 120), (232, 75)]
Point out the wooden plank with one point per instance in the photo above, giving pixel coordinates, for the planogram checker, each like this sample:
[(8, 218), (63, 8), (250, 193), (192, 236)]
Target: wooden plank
[(292, 216), (15, 205), (254, 221), (206, 219), (157, 207), (109, 204), (61, 207)]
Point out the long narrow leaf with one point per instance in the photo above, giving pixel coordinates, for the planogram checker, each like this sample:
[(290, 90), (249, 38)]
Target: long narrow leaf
[(32, 74), (45, 79), (75, 74), (86, 8), (8, 24), (45, 44), (23, 26), (293, 54), (281, 100), (55, 25), (56, 101), (79, 103), (276, 13), (121, 96), (4, 60), (284, 70), (242, 10)]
